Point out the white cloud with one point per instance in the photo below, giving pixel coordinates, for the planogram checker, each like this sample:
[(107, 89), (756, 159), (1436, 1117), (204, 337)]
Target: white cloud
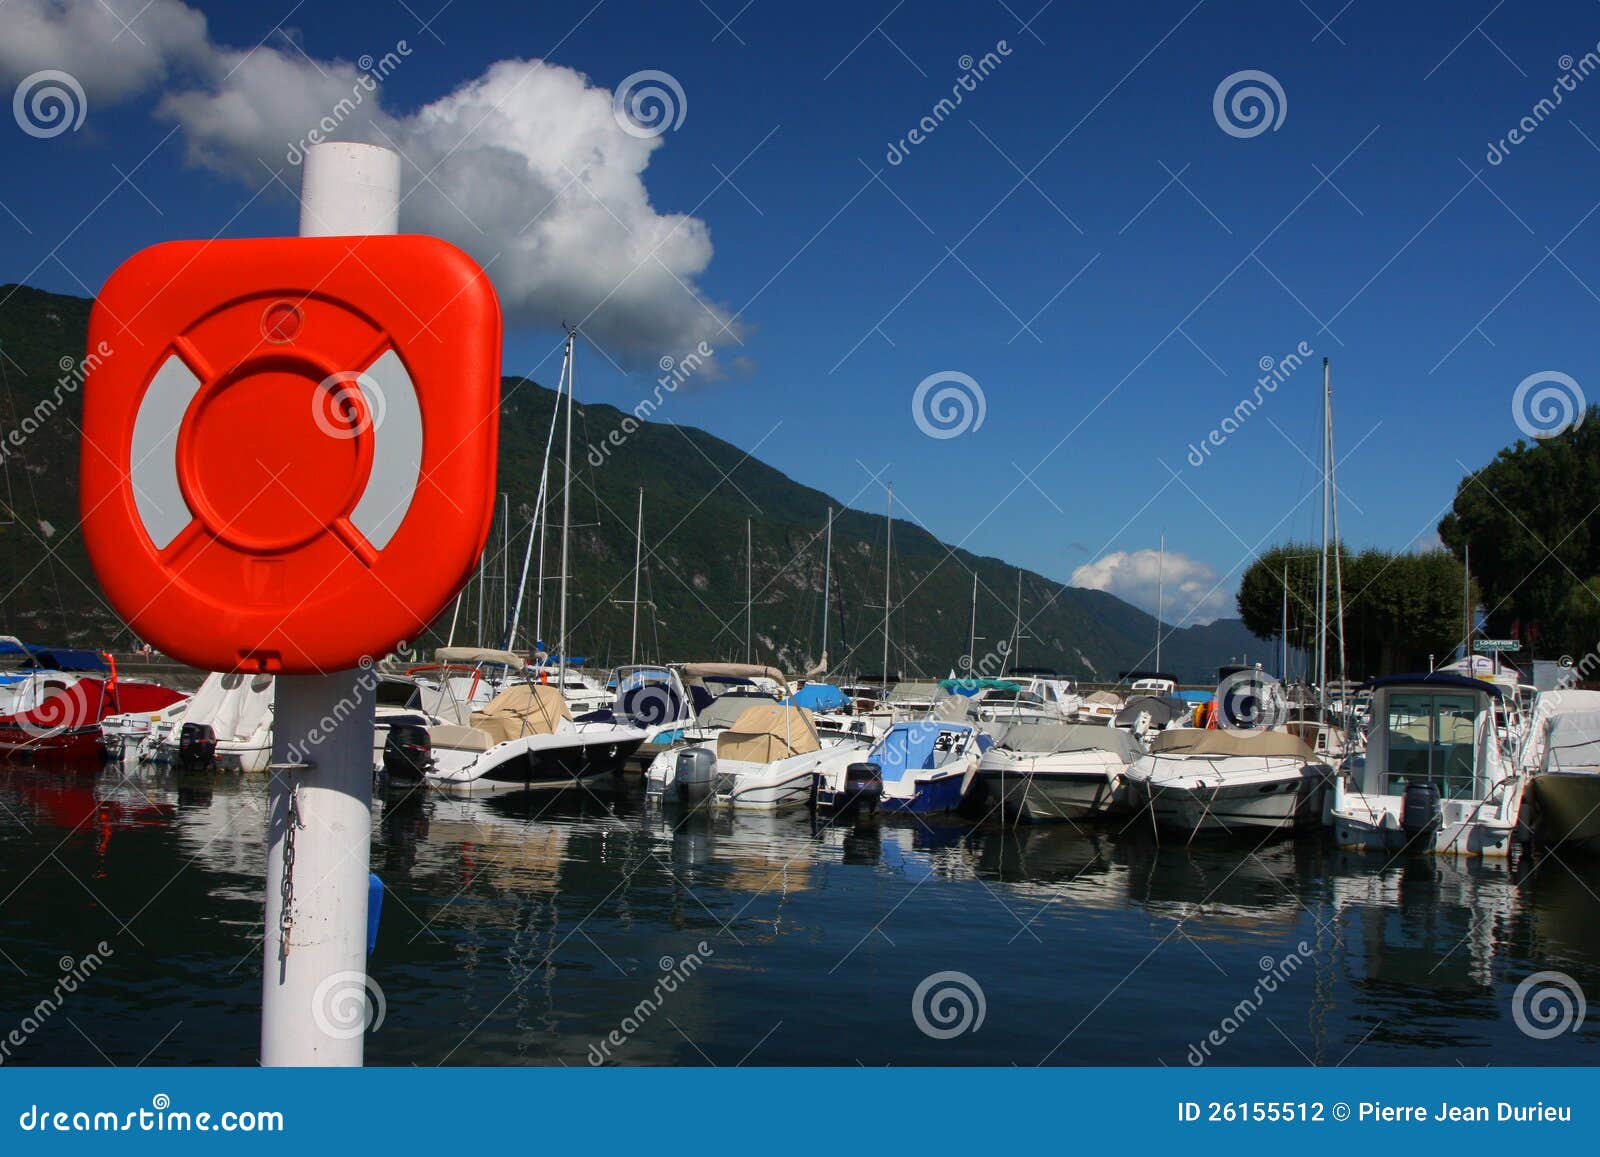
[(525, 166), (1192, 593)]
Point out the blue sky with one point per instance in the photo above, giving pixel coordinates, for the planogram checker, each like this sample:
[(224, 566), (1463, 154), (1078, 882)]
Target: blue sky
[(1080, 237)]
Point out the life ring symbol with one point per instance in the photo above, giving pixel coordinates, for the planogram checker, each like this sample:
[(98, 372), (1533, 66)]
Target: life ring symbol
[(195, 474)]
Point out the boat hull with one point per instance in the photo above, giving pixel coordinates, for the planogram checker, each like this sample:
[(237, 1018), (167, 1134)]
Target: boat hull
[(1562, 809), (532, 766), (1055, 796), (1209, 807)]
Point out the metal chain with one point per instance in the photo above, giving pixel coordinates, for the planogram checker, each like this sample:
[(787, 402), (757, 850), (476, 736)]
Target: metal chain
[(286, 888)]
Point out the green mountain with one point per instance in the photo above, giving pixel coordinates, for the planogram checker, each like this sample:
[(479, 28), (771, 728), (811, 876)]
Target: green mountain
[(699, 492)]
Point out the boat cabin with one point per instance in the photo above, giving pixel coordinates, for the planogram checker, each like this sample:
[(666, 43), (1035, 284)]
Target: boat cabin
[(1437, 728)]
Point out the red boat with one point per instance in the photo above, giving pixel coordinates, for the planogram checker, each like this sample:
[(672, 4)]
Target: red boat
[(51, 706)]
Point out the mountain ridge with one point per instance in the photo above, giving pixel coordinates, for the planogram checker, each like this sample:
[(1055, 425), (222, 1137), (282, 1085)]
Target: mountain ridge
[(699, 492)]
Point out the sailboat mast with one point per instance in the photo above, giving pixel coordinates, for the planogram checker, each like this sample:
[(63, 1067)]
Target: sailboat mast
[(1283, 630), (1161, 595), (1016, 629), (888, 570), (543, 514), (505, 557), (972, 631), (566, 506), (1322, 586), (638, 554), (1338, 546), (749, 592), (827, 575)]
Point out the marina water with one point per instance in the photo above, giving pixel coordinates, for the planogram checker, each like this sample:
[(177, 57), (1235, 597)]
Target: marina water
[(578, 928)]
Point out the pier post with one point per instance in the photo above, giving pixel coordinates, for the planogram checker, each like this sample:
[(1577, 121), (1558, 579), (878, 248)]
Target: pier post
[(314, 989)]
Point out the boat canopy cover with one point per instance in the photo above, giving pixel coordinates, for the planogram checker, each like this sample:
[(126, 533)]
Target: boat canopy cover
[(819, 697), (54, 658), (973, 686), (732, 670), (1446, 679), (1163, 709), (768, 732), (1108, 697), (911, 746), (914, 692), (522, 709), (724, 710), (1037, 736), (469, 656), (1198, 741)]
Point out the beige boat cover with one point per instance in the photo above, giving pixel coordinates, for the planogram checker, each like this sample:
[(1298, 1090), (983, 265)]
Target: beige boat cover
[(769, 732), (1198, 741), (470, 656), (689, 671), (1037, 738), (1108, 697), (520, 710)]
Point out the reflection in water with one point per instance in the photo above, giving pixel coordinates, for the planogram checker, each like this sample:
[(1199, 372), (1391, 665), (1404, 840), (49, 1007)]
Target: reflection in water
[(526, 928)]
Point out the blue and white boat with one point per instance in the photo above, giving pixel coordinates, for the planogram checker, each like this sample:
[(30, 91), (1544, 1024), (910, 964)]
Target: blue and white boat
[(927, 765)]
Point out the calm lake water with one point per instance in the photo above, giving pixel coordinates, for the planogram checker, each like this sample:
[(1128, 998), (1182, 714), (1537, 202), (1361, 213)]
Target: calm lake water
[(528, 931)]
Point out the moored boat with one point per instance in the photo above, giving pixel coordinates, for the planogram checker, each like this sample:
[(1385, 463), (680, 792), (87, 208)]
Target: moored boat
[(1044, 772), (1434, 777), (1196, 781)]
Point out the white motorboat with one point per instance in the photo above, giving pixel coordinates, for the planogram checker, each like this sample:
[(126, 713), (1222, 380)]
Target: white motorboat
[(1196, 780), (708, 725), (227, 725), (1434, 777), (1058, 771), (524, 739), (923, 765), (768, 759)]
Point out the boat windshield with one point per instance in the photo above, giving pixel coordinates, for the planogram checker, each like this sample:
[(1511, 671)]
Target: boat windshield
[(1431, 737)]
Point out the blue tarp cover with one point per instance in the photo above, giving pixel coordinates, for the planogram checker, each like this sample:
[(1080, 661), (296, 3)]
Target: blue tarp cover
[(819, 697)]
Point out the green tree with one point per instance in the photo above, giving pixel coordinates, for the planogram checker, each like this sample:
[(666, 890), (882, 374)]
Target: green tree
[(1528, 518), (1398, 608)]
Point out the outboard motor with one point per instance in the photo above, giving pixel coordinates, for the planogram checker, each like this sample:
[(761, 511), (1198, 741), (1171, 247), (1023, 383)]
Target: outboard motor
[(407, 753), (692, 774), (197, 747), (863, 786), (1421, 812)]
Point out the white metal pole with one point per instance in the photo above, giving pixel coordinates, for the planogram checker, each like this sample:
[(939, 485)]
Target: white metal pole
[(827, 576), (749, 593), (1161, 595), (888, 571), (638, 554), (566, 505), (314, 954)]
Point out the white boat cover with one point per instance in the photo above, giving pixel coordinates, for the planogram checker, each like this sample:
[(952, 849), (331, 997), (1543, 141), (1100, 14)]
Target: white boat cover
[(769, 732), (1040, 737), (1199, 741), (1565, 735), (520, 710)]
